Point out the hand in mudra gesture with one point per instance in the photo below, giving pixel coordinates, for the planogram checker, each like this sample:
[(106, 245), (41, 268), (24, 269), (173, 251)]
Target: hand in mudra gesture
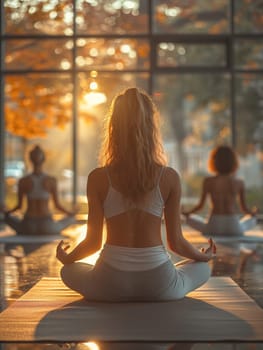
[(211, 250)]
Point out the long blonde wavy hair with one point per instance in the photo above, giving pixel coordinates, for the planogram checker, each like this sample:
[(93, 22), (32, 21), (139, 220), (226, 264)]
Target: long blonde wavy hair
[(132, 142)]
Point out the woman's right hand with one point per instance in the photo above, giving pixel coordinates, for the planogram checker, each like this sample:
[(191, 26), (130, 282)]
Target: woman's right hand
[(210, 252), (61, 253)]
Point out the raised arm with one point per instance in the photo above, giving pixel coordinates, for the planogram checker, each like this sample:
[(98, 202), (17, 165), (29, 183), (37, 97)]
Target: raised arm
[(93, 240), (175, 238)]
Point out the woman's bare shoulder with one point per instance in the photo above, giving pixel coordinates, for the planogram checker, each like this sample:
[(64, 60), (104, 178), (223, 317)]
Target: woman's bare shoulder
[(25, 181), (170, 183), (210, 179), (240, 183), (98, 181), (170, 178), (171, 174), (97, 174)]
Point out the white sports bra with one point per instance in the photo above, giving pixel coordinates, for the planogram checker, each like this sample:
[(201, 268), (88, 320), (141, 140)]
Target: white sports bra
[(115, 203), (38, 191)]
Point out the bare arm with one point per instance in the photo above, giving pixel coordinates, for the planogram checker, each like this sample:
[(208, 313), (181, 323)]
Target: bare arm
[(242, 201), (20, 197), (54, 194), (175, 238), (202, 199), (93, 241)]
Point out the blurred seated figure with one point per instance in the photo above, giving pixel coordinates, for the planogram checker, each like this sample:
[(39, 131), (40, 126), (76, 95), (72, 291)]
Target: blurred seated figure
[(38, 188), (227, 195)]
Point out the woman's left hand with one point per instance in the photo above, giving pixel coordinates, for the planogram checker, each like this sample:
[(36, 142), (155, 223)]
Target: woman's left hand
[(62, 254)]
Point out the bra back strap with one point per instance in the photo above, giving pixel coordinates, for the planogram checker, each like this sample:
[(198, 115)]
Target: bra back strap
[(160, 175)]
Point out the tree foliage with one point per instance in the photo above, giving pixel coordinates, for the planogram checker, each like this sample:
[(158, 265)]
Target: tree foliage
[(35, 103)]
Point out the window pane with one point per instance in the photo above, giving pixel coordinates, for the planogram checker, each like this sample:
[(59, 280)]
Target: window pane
[(170, 54), (248, 16), (38, 110), (115, 54), (249, 54), (200, 16), (38, 17), (108, 17), (249, 104), (93, 105), (14, 168), (196, 117), (38, 54)]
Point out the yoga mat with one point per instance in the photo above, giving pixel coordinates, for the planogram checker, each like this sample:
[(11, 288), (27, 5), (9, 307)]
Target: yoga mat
[(218, 311), (253, 236), (10, 237), (21, 239)]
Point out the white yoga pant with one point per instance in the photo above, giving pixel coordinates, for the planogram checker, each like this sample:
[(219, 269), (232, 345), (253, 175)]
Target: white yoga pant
[(105, 283), (219, 225)]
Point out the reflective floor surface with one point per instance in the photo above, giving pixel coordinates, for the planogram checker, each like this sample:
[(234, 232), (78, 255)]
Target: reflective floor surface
[(21, 266)]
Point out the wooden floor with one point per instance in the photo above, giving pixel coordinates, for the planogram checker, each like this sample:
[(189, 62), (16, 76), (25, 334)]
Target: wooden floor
[(52, 312), (23, 265)]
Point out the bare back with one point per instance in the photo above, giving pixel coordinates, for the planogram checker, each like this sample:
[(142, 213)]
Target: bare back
[(133, 228), (36, 207), (225, 192)]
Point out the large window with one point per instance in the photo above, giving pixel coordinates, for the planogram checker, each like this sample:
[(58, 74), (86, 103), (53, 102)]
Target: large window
[(63, 61)]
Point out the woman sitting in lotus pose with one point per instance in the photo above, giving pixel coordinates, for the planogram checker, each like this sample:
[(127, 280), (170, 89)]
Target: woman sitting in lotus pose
[(38, 188), (131, 191), (227, 194)]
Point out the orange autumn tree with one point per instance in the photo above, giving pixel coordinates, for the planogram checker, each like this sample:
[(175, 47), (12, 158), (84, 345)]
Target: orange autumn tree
[(43, 43), (32, 107), (37, 102)]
